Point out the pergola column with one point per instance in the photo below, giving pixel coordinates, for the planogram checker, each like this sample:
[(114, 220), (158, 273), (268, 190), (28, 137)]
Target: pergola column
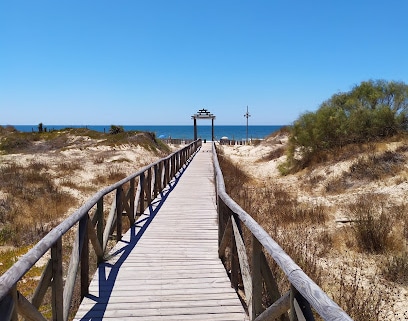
[(212, 129), (195, 129)]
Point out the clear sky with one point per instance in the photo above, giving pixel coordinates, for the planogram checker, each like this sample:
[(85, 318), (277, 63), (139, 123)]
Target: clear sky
[(156, 62)]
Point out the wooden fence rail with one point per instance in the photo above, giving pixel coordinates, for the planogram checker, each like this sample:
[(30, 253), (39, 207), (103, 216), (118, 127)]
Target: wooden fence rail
[(130, 196), (253, 278)]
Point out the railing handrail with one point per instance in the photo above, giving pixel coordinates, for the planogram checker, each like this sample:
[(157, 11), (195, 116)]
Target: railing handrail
[(325, 306), (27, 261)]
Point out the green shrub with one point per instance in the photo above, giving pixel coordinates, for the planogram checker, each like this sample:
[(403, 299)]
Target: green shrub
[(116, 130), (370, 111)]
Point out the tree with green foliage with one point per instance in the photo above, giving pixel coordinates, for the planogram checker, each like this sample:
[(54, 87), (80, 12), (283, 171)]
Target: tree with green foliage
[(116, 129), (372, 110)]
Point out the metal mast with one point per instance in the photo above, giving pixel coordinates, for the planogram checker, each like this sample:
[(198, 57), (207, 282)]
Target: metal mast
[(247, 115)]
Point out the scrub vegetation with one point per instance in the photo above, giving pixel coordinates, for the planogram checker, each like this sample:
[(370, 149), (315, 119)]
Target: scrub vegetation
[(340, 209)]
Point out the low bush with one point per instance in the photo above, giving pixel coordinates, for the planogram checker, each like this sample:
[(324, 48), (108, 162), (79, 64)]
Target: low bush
[(395, 268), (274, 154), (375, 167), (373, 223), (114, 130)]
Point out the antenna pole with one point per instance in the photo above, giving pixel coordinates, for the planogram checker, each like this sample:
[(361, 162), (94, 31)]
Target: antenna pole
[(247, 115)]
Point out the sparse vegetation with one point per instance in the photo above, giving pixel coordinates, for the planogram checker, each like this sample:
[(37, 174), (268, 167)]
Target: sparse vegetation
[(360, 261), (33, 205), (51, 174), (12, 141)]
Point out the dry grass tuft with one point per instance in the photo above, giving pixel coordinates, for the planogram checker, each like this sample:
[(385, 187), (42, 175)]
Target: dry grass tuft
[(395, 268), (373, 223), (372, 167), (375, 167), (273, 154)]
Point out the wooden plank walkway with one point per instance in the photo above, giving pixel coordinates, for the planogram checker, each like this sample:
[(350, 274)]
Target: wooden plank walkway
[(167, 266)]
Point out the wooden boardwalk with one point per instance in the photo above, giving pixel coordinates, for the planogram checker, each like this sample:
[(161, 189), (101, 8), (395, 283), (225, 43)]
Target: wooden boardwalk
[(167, 266)]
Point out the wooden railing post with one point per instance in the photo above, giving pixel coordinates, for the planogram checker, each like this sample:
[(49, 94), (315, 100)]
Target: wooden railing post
[(13, 294), (142, 193), (299, 307), (156, 180), (100, 225), (119, 211), (234, 260), (57, 283), (149, 186), (256, 278), (220, 221), (161, 176), (173, 167), (166, 171), (83, 225), (182, 158), (132, 195)]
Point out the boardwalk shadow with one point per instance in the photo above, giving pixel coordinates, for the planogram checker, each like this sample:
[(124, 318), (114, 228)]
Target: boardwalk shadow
[(108, 272)]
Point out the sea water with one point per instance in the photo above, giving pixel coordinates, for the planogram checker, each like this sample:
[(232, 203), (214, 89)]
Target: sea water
[(178, 132)]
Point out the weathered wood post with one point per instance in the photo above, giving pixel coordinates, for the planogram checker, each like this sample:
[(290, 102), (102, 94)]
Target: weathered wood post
[(83, 225), (149, 186), (57, 283), (100, 225), (156, 180), (142, 192), (234, 259), (119, 210), (299, 306), (168, 171), (256, 278), (13, 295), (132, 195)]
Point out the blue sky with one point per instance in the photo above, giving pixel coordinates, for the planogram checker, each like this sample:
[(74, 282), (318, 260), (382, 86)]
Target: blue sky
[(157, 62)]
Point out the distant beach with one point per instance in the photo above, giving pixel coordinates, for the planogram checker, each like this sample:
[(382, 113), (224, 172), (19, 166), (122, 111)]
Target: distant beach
[(179, 132)]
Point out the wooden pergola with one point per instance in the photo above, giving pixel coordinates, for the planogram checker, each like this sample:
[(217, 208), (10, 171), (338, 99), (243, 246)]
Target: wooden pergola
[(203, 114)]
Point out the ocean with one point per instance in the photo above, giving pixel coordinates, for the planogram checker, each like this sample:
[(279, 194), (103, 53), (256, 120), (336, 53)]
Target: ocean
[(178, 132)]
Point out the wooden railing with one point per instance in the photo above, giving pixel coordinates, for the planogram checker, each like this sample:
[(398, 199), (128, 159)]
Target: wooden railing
[(177, 141), (131, 196), (253, 279)]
